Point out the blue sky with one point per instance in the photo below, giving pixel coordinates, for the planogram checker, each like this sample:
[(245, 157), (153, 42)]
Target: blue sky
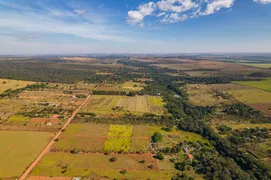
[(134, 26)]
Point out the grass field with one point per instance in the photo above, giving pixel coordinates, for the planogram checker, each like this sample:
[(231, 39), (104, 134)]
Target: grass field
[(249, 96), (24, 147), (13, 84), (84, 164), (18, 119), (265, 66), (87, 137), (205, 95), (106, 105), (264, 84)]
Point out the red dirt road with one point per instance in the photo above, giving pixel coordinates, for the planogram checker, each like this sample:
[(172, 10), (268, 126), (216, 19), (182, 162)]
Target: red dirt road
[(48, 147)]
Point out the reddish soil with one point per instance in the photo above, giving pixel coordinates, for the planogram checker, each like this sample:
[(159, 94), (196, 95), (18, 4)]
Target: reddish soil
[(264, 107), (45, 120)]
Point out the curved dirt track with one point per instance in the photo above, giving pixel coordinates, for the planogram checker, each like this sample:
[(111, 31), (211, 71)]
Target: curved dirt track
[(47, 148)]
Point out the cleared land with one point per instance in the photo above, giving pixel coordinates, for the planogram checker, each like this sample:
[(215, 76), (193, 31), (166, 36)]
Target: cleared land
[(264, 84), (13, 84), (119, 105), (25, 146)]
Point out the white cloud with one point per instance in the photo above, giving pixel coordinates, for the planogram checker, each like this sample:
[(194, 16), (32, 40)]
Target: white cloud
[(173, 11), (161, 14), (216, 5), (173, 17), (49, 20), (138, 15), (80, 11), (176, 5), (262, 1)]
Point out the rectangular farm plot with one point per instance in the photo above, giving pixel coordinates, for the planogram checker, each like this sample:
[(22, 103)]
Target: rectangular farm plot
[(119, 105), (24, 147), (84, 164), (85, 137), (120, 131), (118, 138), (117, 144), (13, 84)]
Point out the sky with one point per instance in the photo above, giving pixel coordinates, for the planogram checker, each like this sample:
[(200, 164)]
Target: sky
[(134, 26)]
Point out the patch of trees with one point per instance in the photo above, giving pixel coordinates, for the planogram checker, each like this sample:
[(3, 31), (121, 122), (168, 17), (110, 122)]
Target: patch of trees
[(255, 135), (243, 110)]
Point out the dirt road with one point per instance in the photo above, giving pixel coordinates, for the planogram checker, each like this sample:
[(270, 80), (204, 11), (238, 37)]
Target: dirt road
[(47, 148)]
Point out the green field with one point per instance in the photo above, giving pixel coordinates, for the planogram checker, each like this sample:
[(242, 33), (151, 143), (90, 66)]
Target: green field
[(264, 84), (249, 96), (19, 149), (18, 119), (265, 66)]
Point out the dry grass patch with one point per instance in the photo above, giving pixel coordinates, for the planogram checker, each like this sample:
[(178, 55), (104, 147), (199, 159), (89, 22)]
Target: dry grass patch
[(13, 84), (24, 147)]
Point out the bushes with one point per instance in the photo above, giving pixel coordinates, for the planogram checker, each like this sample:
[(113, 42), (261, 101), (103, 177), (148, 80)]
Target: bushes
[(113, 159), (157, 137)]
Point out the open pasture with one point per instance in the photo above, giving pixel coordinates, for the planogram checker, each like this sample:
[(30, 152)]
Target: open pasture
[(264, 84), (13, 84), (63, 164), (206, 95), (25, 146), (119, 105)]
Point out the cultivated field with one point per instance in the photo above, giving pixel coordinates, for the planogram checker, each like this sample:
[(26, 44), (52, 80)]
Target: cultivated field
[(19, 149), (104, 138), (119, 105), (13, 84), (264, 84)]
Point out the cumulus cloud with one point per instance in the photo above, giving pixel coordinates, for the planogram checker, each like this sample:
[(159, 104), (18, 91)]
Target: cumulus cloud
[(138, 15), (262, 1), (171, 11)]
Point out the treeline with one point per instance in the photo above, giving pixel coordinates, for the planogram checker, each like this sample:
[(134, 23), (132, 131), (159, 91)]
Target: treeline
[(100, 92), (149, 119), (33, 87)]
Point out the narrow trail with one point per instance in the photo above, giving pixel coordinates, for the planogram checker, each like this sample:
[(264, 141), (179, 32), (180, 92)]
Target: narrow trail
[(47, 148)]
